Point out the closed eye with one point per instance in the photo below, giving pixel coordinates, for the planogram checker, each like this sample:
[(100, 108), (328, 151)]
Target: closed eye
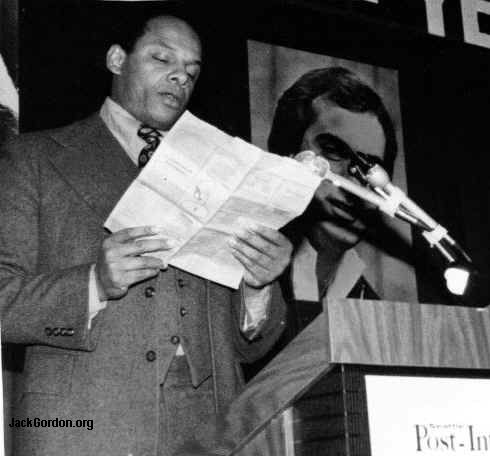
[(333, 148), (193, 71), (160, 59)]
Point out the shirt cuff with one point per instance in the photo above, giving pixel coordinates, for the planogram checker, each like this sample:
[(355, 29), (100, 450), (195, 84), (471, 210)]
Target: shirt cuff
[(95, 305), (254, 309)]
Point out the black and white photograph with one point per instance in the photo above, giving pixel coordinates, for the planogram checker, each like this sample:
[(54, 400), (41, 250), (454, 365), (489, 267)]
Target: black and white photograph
[(244, 228)]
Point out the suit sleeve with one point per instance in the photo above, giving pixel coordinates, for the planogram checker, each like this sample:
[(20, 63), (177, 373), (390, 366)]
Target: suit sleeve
[(38, 305), (254, 349)]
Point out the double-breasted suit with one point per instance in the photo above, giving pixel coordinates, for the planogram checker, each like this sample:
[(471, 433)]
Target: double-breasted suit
[(56, 190)]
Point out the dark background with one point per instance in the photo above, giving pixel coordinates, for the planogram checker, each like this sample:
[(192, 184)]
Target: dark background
[(8, 36), (444, 90)]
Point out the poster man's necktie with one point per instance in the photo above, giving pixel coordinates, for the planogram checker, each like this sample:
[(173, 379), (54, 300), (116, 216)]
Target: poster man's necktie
[(152, 138)]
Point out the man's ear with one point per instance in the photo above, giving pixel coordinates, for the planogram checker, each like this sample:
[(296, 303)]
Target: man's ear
[(115, 58)]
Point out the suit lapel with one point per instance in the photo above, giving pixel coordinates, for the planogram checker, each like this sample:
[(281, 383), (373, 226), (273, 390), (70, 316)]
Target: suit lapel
[(93, 163)]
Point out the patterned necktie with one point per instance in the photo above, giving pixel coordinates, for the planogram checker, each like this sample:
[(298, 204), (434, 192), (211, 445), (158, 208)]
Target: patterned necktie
[(152, 138)]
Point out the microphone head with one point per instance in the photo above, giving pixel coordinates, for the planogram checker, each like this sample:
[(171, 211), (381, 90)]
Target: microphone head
[(317, 165), (377, 177)]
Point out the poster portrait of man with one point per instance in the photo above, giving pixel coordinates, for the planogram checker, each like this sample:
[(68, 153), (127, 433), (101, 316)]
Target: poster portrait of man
[(274, 69)]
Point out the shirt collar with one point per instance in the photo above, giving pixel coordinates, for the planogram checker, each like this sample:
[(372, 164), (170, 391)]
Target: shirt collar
[(124, 127), (314, 276)]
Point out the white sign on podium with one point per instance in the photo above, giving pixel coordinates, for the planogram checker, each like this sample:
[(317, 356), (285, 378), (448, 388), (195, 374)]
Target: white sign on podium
[(424, 416)]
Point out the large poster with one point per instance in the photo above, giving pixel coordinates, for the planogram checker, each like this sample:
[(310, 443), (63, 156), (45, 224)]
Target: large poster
[(272, 70)]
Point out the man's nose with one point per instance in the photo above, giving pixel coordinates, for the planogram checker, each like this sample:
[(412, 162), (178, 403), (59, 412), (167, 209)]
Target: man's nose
[(340, 167), (179, 76)]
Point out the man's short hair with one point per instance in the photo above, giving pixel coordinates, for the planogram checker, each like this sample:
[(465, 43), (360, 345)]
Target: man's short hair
[(132, 21), (294, 112)]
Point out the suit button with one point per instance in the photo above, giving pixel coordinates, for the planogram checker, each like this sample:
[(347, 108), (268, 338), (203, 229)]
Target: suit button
[(183, 311), (175, 340), (48, 331), (151, 356), (149, 292), (70, 332), (181, 283)]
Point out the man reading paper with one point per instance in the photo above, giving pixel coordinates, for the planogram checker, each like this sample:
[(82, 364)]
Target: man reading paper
[(148, 352)]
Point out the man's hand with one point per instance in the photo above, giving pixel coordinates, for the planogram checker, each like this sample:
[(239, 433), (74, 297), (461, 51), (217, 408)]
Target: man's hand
[(263, 252), (120, 264)]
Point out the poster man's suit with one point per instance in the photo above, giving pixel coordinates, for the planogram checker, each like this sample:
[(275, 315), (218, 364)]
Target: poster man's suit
[(56, 190)]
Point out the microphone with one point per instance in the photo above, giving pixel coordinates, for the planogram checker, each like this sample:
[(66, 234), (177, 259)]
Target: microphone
[(436, 235), (321, 167), (394, 202)]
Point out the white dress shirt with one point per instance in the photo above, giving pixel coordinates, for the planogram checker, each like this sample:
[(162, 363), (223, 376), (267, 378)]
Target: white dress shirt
[(311, 283)]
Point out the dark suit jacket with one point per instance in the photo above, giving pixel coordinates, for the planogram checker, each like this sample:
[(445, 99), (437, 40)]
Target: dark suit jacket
[(56, 190)]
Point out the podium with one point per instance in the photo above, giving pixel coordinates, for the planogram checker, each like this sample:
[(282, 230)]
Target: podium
[(319, 378)]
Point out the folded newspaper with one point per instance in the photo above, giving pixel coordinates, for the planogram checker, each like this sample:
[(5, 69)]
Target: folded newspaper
[(201, 185)]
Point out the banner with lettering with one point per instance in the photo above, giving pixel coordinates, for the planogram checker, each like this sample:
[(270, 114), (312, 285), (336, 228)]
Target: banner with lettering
[(462, 20)]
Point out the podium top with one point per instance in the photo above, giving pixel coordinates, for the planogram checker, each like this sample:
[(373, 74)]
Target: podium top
[(402, 334)]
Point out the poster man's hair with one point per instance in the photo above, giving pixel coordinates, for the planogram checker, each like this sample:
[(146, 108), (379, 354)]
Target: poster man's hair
[(294, 112)]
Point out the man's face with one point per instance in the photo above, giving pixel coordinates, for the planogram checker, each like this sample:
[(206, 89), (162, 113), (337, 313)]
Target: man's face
[(155, 81), (333, 129)]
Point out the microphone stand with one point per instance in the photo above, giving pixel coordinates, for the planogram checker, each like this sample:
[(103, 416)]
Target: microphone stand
[(436, 235), (391, 200)]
